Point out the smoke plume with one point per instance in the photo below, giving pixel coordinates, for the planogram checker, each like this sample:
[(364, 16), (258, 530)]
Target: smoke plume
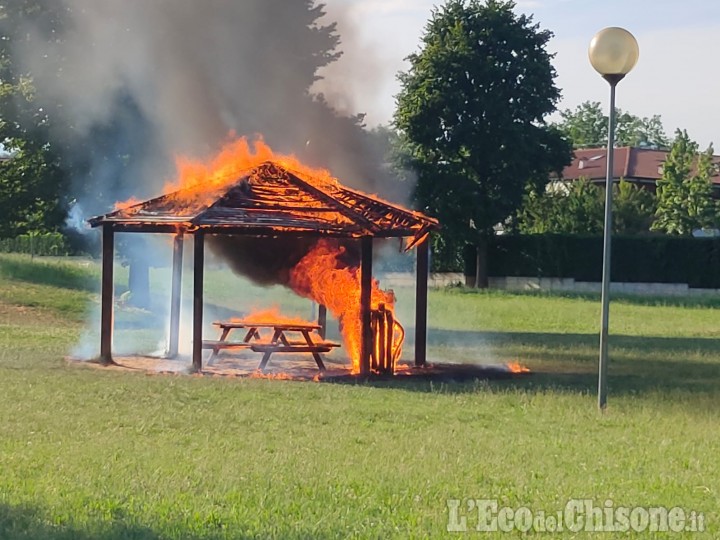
[(129, 85), (132, 84)]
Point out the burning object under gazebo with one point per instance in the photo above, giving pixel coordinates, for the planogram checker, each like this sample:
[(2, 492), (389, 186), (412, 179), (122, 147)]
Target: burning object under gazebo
[(287, 225)]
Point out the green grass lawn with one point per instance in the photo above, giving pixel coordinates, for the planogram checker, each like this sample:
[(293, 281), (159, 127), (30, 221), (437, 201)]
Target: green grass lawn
[(91, 453)]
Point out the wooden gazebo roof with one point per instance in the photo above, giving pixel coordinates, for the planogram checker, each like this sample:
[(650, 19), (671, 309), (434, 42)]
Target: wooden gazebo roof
[(268, 200)]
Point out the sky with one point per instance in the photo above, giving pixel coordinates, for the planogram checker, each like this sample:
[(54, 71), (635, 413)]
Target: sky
[(676, 76)]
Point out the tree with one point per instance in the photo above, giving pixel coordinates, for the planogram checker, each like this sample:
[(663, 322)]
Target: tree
[(684, 191), (574, 208), (32, 181), (578, 208), (633, 208), (30, 191), (586, 126), (472, 109)]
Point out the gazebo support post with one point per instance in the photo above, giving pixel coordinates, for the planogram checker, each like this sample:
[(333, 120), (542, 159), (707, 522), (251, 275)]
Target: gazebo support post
[(198, 278), (322, 320), (107, 294), (421, 302), (365, 302), (175, 296)]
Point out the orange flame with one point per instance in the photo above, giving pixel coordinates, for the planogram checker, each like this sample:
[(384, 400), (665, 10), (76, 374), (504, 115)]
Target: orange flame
[(517, 367), (270, 316), (321, 276), (237, 156), (124, 205)]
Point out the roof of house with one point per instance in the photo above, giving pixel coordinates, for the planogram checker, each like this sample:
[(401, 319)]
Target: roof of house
[(267, 200), (642, 165)]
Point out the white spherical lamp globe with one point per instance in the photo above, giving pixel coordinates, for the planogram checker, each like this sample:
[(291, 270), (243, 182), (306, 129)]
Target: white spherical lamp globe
[(613, 52)]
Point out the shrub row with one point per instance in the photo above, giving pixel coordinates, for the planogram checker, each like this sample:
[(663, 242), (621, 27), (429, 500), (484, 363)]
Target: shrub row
[(647, 259), (42, 244)]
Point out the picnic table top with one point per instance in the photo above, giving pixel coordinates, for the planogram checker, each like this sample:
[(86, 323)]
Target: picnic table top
[(280, 326), (300, 348)]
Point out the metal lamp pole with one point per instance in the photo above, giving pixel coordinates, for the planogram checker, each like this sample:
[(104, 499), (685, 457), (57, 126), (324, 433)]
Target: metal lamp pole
[(613, 53), (607, 240)]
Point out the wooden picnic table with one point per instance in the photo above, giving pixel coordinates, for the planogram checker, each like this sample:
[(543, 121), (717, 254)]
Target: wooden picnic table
[(285, 338)]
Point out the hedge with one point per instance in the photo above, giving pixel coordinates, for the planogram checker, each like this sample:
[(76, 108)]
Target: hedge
[(647, 259), (43, 244)]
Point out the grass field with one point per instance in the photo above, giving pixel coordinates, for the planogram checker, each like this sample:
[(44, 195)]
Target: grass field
[(88, 453)]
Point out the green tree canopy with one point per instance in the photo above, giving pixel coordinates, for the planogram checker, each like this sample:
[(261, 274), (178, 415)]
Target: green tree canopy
[(472, 109), (633, 208), (684, 191), (587, 126), (33, 183), (578, 208), (566, 208)]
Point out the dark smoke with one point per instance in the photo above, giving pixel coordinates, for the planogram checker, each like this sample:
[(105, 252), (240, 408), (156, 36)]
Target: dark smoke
[(139, 82), (268, 261), (265, 261)]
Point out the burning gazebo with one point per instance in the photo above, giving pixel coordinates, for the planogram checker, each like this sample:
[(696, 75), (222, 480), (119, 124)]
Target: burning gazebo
[(270, 201)]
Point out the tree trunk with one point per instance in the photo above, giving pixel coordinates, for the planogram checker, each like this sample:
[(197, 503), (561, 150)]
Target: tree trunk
[(481, 269), (139, 283)]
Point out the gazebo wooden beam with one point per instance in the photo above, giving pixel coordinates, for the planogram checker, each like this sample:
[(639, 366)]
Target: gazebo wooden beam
[(365, 302), (289, 229), (322, 320), (175, 296), (198, 279), (421, 301), (107, 294)]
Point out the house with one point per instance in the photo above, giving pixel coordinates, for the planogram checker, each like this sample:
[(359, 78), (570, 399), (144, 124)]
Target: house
[(640, 166)]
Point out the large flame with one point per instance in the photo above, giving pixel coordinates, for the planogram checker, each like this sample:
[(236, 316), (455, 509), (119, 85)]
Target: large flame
[(323, 276), (200, 178)]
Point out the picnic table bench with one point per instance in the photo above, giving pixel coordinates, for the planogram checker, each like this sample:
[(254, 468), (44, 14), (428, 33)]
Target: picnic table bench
[(286, 338)]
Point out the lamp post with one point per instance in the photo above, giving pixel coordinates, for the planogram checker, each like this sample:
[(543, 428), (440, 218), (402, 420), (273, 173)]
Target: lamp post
[(613, 53)]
